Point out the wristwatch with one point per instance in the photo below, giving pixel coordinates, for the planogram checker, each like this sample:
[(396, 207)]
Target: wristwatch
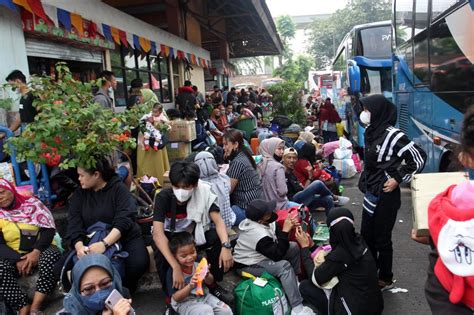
[(107, 245), (227, 245)]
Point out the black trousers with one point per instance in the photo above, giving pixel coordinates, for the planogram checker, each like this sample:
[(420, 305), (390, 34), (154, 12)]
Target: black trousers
[(213, 251), (137, 262), (377, 232), (315, 296)]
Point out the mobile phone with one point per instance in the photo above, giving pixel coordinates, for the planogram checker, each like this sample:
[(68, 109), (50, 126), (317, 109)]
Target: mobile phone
[(301, 212), (304, 226), (113, 299)]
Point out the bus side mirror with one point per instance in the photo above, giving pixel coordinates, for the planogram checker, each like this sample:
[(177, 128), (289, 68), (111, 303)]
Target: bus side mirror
[(353, 73)]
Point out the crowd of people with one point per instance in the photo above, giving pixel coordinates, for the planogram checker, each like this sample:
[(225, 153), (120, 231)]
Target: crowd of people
[(239, 208)]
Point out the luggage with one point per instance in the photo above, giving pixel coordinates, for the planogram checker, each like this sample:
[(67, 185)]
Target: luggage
[(346, 167), (282, 121), (342, 154), (263, 296)]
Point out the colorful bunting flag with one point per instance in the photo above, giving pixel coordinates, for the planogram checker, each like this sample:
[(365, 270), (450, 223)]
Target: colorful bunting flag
[(107, 32), (64, 19), (153, 48), (136, 42), (115, 34), (123, 38), (37, 9), (163, 50), (76, 21), (145, 44), (24, 4), (130, 39), (171, 52), (52, 13), (9, 4)]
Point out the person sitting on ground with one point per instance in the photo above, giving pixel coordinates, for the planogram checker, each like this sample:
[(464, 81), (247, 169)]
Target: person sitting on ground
[(273, 173), (231, 115), (154, 122), (349, 270), (93, 280), (245, 181), (185, 301), (315, 195), (304, 166), (220, 184), (243, 98), (219, 120), (190, 205), (103, 197), (216, 96), (26, 243), (263, 247), (304, 137)]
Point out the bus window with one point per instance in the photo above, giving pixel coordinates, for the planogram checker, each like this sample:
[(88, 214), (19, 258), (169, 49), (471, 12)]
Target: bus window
[(376, 42), (340, 62), (451, 69), (404, 30), (420, 45), (375, 81), (441, 6)]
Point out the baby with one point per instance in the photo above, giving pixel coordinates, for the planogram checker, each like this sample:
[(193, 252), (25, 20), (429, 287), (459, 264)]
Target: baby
[(153, 120)]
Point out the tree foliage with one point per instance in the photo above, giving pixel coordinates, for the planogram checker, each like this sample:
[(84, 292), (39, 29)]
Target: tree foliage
[(70, 125), (286, 101), (325, 35), (295, 69)]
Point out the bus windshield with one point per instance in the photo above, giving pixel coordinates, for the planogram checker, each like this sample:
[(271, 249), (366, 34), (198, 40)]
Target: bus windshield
[(376, 42), (376, 81)]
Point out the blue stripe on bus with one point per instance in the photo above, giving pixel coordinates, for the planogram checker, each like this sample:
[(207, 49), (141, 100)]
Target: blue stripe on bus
[(363, 61)]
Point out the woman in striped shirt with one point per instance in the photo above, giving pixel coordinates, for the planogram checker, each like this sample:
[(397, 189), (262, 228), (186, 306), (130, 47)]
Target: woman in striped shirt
[(385, 149), (246, 184)]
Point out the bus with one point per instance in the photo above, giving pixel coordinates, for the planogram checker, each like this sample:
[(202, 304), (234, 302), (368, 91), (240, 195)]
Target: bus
[(433, 74), (364, 61)]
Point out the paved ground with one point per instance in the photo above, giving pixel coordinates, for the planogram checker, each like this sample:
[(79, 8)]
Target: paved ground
[(410, 263)]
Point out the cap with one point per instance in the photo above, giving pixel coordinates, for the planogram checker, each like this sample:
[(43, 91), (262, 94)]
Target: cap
[(289, 151), (257, 208)]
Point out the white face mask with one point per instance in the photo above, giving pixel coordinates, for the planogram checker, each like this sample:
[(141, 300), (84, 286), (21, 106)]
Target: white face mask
[(365, 117), (182, 195)]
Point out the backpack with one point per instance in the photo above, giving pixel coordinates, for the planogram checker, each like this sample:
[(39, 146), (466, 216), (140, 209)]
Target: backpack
[(265, 299)]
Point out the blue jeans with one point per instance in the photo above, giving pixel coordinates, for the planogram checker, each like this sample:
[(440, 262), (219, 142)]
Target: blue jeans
[(239, 214), (315, 195)]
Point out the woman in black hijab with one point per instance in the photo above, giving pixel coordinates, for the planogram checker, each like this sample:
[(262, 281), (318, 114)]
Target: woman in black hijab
[(386, 147), (356, 290)]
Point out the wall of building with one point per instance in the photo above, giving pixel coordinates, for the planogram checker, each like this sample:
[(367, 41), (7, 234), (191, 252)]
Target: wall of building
[(197, 78), (13, 52)]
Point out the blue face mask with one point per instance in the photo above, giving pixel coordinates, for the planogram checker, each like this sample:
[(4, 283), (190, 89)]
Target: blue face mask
[(96, 301), (470, 172)]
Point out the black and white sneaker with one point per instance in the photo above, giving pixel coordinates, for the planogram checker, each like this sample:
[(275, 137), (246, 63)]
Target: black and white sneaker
[(169, 310)]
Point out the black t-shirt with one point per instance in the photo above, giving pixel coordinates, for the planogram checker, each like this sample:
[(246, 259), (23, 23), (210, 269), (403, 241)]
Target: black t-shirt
[(293, 185), (163, 211), (27, 111)]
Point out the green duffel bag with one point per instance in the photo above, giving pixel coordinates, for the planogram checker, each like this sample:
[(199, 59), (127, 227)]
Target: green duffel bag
[(263, 296)]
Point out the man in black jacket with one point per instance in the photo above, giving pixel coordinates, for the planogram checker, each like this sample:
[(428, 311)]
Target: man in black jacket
[(186, 99)]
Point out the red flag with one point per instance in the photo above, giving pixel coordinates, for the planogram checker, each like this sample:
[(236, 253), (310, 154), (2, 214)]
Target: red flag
[(123, 38), (37, 9), (163, 50)]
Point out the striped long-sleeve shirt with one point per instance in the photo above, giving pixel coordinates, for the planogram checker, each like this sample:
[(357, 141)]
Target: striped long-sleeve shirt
[(392, 155)]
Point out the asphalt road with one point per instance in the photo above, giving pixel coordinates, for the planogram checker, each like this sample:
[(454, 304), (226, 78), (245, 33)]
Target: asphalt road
[(410, 263)]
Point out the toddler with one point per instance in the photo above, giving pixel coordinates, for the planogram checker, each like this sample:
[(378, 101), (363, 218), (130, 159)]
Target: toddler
[(155, 121)]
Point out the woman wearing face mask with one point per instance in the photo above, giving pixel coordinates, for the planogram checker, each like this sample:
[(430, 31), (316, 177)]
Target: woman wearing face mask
[(345, 280), (245, 181), (449, 287), (385, 149), (273, 173), (93, 279), (191, 206), (102, 197), (26, 237)]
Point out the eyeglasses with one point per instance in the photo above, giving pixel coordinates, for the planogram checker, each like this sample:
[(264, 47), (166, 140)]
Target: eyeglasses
[(91, 289)]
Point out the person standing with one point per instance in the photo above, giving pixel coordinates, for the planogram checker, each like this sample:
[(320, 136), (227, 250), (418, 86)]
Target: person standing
[(385, 149), (108, 85), (328, 118), (27, 111), (186, 100), (216, 96)]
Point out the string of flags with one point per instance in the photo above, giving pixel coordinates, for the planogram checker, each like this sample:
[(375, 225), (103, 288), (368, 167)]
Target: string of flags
[(75, 22)]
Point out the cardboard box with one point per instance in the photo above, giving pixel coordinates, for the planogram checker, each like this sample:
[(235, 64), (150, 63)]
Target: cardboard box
[(182, 131), (166, 180), (178, 150), (424, 187)]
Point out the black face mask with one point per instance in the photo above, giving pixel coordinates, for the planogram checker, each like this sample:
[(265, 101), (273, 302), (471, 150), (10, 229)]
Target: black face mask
[(278, 158)]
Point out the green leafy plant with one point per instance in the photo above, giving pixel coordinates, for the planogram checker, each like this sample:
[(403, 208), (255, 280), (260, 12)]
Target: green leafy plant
[(70, 125), (6, 104), (286, 101)]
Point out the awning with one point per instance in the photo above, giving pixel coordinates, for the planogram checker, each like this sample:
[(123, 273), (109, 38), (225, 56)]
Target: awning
[(129, 30)]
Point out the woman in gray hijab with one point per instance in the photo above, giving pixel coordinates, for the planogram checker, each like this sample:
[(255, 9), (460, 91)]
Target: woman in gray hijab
[(93, 279), (220, 184)]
